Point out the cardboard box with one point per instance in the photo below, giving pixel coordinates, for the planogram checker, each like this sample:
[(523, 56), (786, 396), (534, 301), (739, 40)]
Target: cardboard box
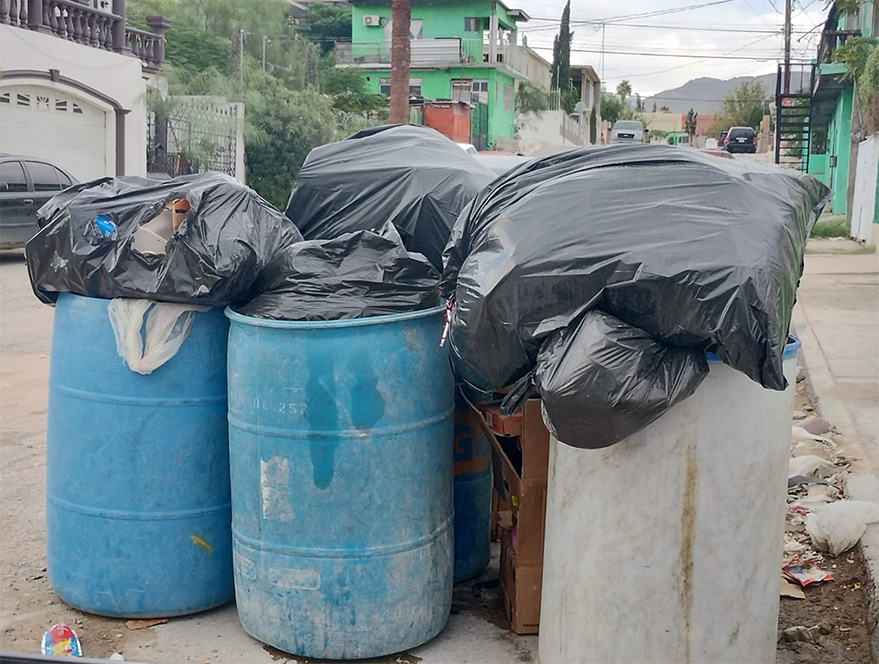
[(520, 469), (521, 586)]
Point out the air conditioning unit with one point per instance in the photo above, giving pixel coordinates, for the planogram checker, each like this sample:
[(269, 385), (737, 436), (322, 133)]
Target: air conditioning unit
[(372, 20)]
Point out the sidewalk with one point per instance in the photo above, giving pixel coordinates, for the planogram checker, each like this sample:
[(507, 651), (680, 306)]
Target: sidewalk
[(837, 319)]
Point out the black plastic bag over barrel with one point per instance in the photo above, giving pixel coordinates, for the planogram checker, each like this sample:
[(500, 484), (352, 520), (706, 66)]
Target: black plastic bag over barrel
[(201, 239), (412, 176), (601, 380), (694, 251), (356, 275)]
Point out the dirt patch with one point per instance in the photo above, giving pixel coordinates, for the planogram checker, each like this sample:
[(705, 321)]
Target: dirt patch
[(835, 613), (831, 621)]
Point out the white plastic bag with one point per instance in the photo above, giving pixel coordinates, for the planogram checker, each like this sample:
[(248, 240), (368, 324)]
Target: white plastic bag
[(167, 326), (837, 527)]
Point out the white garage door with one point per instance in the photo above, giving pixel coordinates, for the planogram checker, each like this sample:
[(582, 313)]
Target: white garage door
[(39, 122)]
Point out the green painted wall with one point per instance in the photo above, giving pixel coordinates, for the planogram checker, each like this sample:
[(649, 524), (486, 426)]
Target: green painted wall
[(839, 145), (441, 20), (437, 84), (818, 167)]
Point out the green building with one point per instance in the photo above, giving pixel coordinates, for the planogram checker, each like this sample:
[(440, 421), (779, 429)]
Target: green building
[(832, 100), (464, 51)]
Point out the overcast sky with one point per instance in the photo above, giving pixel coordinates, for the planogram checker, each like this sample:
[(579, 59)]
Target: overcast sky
[(683, 45)]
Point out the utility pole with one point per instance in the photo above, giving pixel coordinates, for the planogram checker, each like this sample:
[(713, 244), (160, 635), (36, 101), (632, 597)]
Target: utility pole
[(787, 31), (241, 57), (264, 40), (602, 51), (401, 14)]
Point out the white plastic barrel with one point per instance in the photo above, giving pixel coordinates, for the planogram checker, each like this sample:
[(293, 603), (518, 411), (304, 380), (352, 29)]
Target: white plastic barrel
[(667, 547)]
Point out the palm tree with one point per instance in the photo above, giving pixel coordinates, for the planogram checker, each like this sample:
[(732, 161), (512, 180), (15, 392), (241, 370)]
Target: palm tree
[(401, 13), (624, 91)]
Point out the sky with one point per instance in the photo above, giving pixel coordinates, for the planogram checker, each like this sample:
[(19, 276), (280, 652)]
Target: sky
[(727, 39)]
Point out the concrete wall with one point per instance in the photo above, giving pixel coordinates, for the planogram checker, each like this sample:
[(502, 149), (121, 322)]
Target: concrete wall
[(542, 134), (663, 121), (865, 203), (95, 76)]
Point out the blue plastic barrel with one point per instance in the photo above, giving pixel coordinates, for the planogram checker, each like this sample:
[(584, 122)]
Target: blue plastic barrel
[(472, 472), (341, 482), (137, 470)]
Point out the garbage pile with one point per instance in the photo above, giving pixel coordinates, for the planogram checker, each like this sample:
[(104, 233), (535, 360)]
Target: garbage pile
[(412, 176), (197, 239), (356, 275), (602, 276)]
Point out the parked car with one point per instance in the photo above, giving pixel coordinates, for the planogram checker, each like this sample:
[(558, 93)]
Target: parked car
[(721, 140), (627, 131), (25, 184), (741, 139)]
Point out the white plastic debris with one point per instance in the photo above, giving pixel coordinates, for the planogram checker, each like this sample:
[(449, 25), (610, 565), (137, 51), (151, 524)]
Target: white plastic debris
[(800, 432), (810, 465), (837, 527), (167, 326)]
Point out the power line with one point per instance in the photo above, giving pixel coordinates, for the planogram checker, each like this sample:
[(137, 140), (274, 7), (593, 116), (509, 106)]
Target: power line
[(660, 12)]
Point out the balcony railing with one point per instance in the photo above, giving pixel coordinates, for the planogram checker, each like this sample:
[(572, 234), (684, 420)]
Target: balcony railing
[(434, 53), (83, 24)]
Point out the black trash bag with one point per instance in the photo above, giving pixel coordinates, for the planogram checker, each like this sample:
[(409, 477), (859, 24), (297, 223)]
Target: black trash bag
[(697, 251), (412, 176), (353, 276), (87, 237), (602, 380)]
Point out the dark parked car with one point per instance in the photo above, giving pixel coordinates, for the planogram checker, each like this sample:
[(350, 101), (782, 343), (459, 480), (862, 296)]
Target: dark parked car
[(25, 184), (741, 139), (721, 140)]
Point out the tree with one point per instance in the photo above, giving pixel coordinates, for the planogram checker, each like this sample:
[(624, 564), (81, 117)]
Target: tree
[(868, 91), (561, 61), (401, 13), (347, 87), (292, 123), (639, 105), (530, 99), (690, 124), (664, 108), (654, 107), (624, 91), (746, 105), (326, 23), (611, 108), (311, 79)]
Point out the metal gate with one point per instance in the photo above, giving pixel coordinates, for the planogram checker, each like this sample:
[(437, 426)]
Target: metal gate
[(479, 126)]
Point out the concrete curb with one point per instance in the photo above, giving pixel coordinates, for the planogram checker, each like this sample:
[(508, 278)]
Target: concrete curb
[(857, 485)]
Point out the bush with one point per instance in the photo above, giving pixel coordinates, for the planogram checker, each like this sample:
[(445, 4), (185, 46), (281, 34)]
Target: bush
[(831, 228), (292, 122)]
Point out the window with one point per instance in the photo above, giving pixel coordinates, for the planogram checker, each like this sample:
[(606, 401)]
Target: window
[(471, 24), (416, 30), (45, 176), (384, 87), (4, 98), (508, 98), (478, 91), (12, 175)]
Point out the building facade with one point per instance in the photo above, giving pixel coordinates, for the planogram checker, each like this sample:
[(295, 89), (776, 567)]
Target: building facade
[(73, 80), (834, 118), (462, 51)]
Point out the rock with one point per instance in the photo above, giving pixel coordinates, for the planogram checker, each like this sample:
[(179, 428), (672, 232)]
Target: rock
[(815, 425), (797, 633), (824, 628)]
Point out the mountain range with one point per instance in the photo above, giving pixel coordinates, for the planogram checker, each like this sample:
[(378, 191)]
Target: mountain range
[(704, 95)]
